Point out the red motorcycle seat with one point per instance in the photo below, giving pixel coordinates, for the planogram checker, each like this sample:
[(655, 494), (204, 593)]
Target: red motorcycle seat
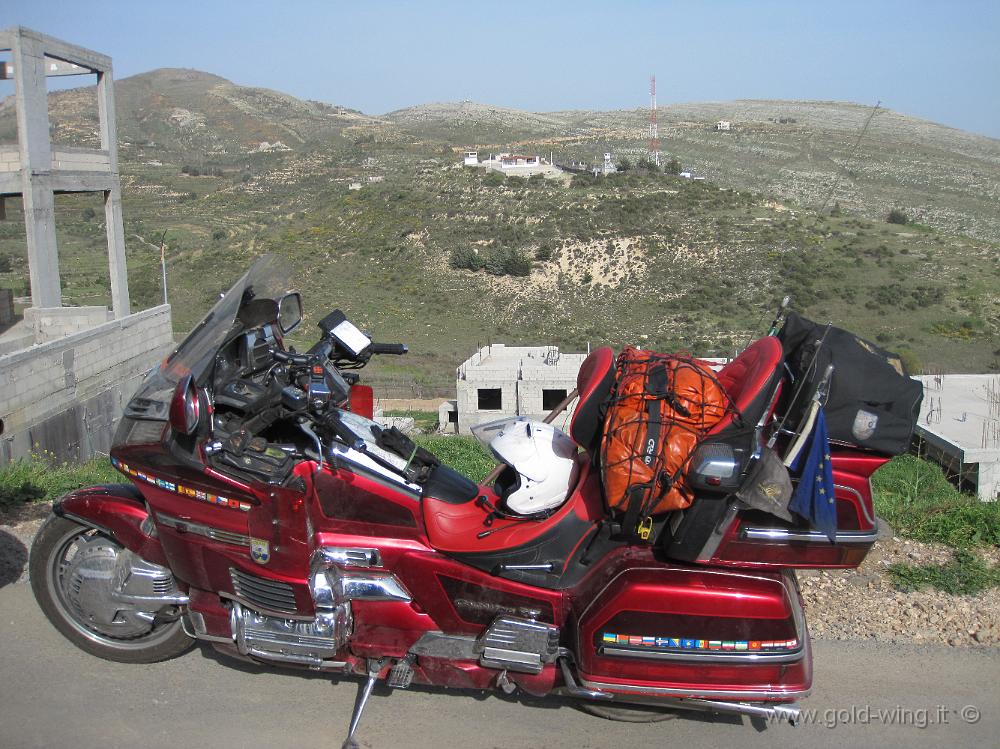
[(458, 528)]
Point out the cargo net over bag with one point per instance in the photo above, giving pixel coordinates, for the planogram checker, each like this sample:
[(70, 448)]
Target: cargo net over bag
[(661, 407)]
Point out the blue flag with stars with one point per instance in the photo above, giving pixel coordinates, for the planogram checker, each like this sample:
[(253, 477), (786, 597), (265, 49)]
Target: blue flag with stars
[(813, 498)]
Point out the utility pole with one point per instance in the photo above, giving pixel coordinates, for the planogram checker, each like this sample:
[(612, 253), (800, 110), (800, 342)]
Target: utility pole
[(163, 264), (654, 137)]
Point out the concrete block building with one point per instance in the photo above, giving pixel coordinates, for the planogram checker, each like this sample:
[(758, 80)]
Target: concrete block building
[(66, 372), (500, 381)]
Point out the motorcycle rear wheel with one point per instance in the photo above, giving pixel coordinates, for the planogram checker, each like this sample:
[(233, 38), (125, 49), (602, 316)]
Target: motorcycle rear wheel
[(51, 552), (627, 713)]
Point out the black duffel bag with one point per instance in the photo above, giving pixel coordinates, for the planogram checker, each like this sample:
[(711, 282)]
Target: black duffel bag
[(873, 402)]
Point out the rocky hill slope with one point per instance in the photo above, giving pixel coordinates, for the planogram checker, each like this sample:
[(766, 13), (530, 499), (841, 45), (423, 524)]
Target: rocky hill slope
[(375, 215)]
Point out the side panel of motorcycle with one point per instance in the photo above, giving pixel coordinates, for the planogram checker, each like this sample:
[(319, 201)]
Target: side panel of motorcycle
[(463, 600), (677, 631), (119, 510), (387, 628), (352, 503)]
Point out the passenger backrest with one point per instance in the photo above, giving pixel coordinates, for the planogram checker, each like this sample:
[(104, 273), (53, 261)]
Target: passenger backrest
[(593, 383), (750, 381)]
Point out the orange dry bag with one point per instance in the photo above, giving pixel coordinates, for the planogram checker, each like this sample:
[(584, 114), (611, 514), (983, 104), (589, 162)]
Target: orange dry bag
[(662, 406)]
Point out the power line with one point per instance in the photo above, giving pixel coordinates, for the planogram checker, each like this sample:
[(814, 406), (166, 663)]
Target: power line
[(854, 153)]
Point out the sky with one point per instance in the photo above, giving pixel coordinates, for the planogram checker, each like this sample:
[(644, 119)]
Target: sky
[(935, 60)]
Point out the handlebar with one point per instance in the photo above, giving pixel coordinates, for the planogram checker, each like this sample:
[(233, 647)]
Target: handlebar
[(284, 357), (397, 349)]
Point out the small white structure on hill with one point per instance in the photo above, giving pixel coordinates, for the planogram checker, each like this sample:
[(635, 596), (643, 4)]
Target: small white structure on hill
[(723, 125), (959, 428), (512, 163), (518, 161), (500, 381)]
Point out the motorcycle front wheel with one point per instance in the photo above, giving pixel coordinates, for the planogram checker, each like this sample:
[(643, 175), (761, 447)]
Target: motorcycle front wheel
[(66, 556)]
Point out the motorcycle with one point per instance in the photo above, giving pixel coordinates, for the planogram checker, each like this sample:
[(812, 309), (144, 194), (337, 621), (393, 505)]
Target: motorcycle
[(267, 515)]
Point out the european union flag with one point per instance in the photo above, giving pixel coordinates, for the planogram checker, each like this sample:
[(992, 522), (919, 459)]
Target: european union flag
[(814, 496)]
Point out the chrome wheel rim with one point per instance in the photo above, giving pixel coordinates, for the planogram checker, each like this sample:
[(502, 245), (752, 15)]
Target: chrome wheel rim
[(56, 568)]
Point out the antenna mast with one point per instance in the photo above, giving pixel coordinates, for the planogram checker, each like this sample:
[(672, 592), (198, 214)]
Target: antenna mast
[(654, 138)]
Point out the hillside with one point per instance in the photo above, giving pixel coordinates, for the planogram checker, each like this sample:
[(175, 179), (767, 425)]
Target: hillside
[(447, 258), (808, 152), (179, 112)]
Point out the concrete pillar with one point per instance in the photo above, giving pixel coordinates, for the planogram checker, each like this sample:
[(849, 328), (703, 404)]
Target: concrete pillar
[(36, 160), (43, 256), (116, 252), (113, 198)]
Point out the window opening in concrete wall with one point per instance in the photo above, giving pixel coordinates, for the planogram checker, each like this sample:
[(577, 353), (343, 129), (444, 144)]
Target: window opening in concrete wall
[(83, 253), (552, 398), (14, 252), (490, 399), (74, 120), (8, 124), (453, 417)]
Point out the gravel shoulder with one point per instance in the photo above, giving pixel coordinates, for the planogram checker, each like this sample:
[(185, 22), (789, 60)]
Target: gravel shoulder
[(859, 604)]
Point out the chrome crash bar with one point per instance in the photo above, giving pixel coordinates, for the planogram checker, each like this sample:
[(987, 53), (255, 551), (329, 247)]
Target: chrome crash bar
[(783, 534)]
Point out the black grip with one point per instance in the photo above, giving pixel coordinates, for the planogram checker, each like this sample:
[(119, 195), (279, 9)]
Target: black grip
[(389, 348), (299, 360)]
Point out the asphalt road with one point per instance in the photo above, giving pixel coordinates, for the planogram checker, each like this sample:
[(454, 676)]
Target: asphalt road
[(53, 695)]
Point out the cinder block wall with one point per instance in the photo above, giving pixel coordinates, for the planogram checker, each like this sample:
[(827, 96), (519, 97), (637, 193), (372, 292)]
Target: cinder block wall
[(65, 397)]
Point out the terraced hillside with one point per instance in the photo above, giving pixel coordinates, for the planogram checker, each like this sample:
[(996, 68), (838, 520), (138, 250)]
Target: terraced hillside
[(446, 258)]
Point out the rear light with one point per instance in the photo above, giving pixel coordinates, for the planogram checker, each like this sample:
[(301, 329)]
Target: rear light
[(184, 408)]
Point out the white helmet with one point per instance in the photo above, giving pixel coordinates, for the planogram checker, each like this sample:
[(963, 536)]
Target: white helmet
[(544, 460)]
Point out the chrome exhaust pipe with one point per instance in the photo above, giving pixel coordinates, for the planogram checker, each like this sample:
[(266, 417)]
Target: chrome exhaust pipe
[(787, 711)]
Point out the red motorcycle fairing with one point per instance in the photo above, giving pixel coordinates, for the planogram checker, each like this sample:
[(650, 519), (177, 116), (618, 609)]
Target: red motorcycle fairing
[(116, 509)]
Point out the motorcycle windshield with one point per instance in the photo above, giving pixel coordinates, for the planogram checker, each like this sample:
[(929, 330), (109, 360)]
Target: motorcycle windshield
[(266, 280)]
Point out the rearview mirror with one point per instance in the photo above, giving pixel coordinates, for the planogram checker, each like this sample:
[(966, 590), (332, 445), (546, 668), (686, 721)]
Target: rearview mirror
[(289, 312)]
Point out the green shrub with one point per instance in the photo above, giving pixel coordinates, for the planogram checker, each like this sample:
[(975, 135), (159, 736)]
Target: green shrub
[(465, 454), (493, 179), (898, 216), (965, 575), (34, 480), (465, 257), (917, 500)]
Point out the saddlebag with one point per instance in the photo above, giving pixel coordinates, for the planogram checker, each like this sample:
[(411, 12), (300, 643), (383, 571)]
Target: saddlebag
[(691, 632), (661, 407), (873, 402)]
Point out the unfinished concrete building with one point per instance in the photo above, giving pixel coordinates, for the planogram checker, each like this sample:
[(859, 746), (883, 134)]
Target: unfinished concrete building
[(959, 428), (500, 381), (65, 372)]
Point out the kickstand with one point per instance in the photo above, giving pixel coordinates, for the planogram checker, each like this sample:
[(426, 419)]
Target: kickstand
[(374, 666)]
